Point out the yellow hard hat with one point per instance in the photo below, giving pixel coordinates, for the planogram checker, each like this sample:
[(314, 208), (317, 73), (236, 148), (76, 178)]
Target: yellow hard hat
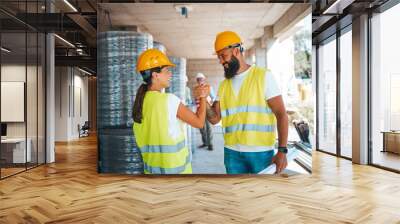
[(152, 58), (226, 39)]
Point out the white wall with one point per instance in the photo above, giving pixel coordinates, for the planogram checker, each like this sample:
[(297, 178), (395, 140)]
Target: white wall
[(16, 73), (71, 94), (80, 115), (10, 73), (33, 127), (12, 100), (61, 103)]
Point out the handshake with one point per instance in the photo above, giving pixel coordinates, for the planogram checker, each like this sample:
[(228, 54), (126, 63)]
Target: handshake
[(200, 91)]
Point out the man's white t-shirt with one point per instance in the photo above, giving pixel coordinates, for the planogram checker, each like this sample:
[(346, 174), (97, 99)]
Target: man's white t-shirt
[(271, 90)]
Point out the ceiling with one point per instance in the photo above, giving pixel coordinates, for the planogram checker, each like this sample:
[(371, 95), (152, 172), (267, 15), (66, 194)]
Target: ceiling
[(193, 37), (22, 46), (329, 17), (38, 6)]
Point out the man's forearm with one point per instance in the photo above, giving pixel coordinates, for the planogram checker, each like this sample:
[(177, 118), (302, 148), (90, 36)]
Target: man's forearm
[(210, 112), (211, 115), (283, 129)]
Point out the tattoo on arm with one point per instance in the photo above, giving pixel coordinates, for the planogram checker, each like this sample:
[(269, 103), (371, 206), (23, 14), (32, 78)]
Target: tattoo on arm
[(210, 112)]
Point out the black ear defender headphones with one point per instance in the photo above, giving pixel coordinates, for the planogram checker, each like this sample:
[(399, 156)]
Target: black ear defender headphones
[(241, 48)]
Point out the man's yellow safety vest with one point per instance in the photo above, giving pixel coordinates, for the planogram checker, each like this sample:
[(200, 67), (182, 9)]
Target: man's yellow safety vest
[(161, 154), (246, 118)]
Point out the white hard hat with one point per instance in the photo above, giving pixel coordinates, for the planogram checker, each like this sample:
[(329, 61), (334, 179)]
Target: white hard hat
[(200, 75)]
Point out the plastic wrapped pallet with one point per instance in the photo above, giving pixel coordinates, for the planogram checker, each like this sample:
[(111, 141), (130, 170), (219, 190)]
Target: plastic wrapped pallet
[(117, 83), (159, 46), (117, 80), (118, 152), (178, 85)]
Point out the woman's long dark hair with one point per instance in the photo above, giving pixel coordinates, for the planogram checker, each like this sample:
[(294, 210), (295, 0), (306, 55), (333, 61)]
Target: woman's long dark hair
[(141, 92)]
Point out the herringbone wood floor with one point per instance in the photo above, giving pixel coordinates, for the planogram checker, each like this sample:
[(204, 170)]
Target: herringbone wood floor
[(71, 191)]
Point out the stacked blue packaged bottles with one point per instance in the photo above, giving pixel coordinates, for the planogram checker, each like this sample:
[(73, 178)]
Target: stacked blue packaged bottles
[(117, 83)]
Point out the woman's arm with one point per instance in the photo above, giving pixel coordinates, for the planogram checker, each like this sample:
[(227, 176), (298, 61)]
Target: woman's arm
[(194, 119)]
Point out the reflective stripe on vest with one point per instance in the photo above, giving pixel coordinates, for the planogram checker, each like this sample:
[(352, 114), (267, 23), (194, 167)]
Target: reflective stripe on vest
[(247, 109), (163, 148), (250, 127), (160, 170)]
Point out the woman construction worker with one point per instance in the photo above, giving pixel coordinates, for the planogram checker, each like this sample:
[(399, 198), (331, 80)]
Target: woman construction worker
[(158, 117)]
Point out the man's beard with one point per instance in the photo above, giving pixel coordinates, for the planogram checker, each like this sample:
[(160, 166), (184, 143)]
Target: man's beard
[(233, 67)]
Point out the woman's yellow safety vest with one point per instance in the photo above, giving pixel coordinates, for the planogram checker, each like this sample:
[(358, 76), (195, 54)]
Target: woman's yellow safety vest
[(161, 154), (246, 118)]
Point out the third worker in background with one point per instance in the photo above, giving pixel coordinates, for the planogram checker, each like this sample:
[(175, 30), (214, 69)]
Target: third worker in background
[(206, 131), (251, 107)]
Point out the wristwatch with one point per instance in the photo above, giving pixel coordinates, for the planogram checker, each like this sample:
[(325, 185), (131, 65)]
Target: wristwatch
[(282, 149)]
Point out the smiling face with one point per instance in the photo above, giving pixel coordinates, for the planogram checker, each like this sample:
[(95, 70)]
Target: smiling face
[(164, 77), (228, 59)]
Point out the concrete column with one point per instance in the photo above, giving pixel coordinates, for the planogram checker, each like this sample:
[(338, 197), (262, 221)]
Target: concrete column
[(267, 41), (314, 88), (50, 99), (360, 90), (260, 53), (50, 93), (249, 54), (261, 57)]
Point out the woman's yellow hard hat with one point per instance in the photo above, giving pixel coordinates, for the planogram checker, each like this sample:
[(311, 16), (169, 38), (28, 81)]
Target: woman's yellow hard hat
[(226, 39), (152, 58)]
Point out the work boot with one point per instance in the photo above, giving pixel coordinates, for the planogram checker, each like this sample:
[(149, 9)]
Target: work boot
[(202, 146), (210, 148)]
